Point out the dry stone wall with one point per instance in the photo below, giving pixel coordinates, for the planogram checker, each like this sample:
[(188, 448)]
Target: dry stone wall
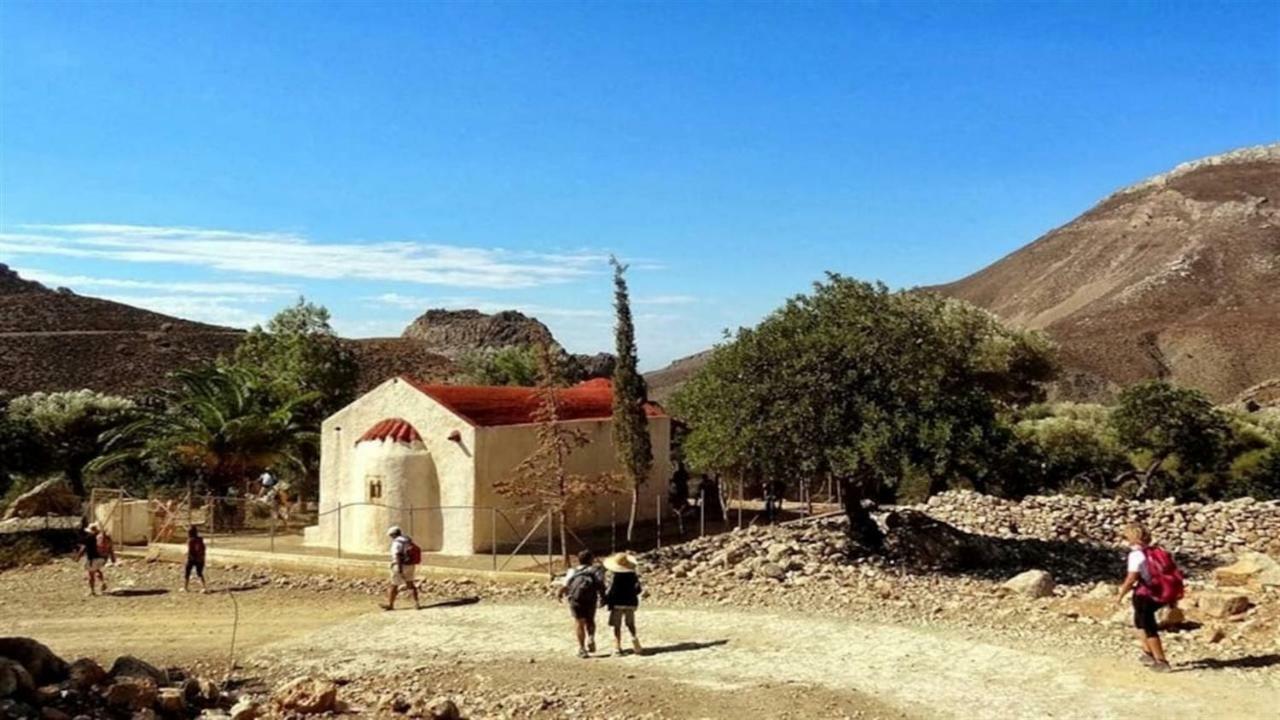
[(1208, 530)]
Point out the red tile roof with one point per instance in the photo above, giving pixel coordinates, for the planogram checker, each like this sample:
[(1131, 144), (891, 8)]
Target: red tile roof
[(485, 406), (395, 429)]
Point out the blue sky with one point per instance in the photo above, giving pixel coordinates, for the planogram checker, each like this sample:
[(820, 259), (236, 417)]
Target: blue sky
[(215, 160)]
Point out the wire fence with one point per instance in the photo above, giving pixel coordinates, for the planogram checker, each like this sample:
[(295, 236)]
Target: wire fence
[(524, 539)]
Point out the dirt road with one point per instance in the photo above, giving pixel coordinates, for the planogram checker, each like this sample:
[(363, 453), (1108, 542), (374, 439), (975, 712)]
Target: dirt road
[(919, 672)]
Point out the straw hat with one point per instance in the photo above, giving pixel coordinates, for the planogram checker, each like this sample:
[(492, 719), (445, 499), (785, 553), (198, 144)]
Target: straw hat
[(620, 563)]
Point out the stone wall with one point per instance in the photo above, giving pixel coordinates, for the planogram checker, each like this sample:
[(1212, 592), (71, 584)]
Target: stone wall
[(1206, 530)]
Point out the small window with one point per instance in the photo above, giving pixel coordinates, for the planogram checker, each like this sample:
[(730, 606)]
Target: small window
[(375, 487)]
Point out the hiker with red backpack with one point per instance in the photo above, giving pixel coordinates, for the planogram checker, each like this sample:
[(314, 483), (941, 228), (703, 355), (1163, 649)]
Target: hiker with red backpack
[(405, 558), (584, 588), (1156, 582)]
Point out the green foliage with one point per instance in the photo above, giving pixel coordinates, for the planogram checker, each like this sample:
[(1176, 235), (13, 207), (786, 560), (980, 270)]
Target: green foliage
[(1157, 422), (1070, 451), (62, 429), (868, 386), (222, 422), (630, 423), (298, 354), (1256, 474), (512, 365)]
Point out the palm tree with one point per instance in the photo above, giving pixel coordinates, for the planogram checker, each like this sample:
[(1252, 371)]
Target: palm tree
[(223, 422)]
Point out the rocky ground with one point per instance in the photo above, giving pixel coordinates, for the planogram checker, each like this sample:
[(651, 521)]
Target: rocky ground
[(764, 620)]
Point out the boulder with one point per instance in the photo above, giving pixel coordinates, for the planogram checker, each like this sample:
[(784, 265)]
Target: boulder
[(1103, 591), (171, 702), (245, 709), (1170, 617), (306, 696), (52, 713), (1032, 583), (1250, 568), (51, 497), (131, 693), (15, 681), (1222, 604), (44, 667), (85, 673), (130, 666), (773, 571), (443, 708)]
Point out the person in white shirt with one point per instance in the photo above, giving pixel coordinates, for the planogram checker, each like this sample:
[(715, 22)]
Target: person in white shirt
[(1138, 579), (402, 571)]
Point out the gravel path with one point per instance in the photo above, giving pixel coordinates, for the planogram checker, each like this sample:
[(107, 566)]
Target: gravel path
[(919, 671)]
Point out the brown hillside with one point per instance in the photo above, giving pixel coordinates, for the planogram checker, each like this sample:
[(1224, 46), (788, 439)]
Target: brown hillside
[(665, 382), (1176, 277)]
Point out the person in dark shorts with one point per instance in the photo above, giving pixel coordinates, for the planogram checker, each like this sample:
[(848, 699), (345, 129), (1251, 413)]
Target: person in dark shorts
[(583, 588), (195, 560), (1138, 579), (622, 598), (94, 560)]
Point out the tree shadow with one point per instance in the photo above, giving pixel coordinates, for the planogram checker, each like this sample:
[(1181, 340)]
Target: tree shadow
[(923, 542), (450, 603), (243, 587), (682, 647), (1249, 662), (137, 592)]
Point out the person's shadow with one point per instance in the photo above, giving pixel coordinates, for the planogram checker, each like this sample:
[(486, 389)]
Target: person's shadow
[(682, 647), (136, 592), (1249, 662), (453, 602)]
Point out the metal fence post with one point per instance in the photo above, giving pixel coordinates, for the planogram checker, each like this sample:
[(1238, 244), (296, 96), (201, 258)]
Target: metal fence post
[(493, 536), (657, 501), (613, 524), (339, 529), (411, 532), (550, 548)]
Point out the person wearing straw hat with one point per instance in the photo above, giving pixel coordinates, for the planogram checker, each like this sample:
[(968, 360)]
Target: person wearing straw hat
[(622, 598)]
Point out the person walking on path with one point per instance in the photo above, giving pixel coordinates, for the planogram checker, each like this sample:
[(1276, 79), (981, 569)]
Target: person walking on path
[(1156, 582), (405, 557), (96, 548), (584, 586), (622, 598), (678, 494), (195, 560)]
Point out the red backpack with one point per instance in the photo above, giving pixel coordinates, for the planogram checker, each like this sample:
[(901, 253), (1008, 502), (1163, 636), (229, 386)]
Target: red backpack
[(1166, 583), (413, 554)]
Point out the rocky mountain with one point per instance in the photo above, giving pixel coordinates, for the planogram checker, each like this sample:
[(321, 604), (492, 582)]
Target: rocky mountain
[(56, 340), (454, 333), (1176, 277), (665, 382)]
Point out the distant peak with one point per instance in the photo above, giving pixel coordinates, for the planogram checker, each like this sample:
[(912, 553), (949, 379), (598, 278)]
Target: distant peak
[(11, 283), (1252, 154)]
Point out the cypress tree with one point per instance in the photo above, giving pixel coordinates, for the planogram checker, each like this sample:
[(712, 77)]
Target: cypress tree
[(630, 424)]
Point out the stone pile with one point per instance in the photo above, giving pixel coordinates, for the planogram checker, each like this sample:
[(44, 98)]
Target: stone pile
[(779, 552), (1212, 531), (34, 682)]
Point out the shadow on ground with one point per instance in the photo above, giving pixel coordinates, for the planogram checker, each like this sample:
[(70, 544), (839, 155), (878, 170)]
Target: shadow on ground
[(137, 592), (683, 647), (1249, 662), (451, 603)]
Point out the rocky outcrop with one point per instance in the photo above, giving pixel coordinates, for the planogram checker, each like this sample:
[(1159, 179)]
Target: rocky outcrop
[(1173, 277), (454, 333), (51, 497), (13, 284)]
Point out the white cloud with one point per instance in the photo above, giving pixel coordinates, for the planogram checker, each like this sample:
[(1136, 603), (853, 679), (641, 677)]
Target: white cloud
[(294, 255), (244, 289), (215, 309)]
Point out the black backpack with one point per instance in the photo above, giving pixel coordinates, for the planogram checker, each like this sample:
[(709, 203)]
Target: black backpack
[(584, 588)]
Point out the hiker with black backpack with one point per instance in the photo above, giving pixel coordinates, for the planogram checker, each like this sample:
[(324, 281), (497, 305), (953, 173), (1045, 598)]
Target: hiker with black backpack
[(405, 558), (584, 587), (1156, 582)]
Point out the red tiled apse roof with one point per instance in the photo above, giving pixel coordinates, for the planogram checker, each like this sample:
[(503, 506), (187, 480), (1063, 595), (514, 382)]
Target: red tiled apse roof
[(394, 429), (494, 406)]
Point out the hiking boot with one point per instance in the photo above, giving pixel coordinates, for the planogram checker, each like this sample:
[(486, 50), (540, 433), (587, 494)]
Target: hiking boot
[(385, 606), (1160, 667), (635, 644), (617, 649), (582, 653), (1146, 659), (591, 645)]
